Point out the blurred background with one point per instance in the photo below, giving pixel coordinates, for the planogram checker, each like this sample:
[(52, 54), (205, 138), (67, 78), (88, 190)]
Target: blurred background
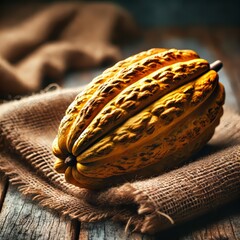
[(155, 13)]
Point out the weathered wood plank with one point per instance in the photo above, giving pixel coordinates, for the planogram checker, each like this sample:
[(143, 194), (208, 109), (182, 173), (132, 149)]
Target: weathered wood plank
[(109, 231), (100, 230), (221, 224), (224, 223), (235, 224), (22, 218)]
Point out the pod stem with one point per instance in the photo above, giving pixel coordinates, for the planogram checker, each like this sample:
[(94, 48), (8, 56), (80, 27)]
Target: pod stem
[(217, 65)]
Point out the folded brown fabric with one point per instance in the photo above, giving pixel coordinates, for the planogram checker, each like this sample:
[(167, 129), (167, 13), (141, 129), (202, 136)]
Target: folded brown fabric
[(28, 127), (58, 38)]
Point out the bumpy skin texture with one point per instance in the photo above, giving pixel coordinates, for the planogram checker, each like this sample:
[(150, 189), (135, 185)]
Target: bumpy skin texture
[(141, 117)]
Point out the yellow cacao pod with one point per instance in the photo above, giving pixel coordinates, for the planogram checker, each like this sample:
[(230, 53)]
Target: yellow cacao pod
[(143, 116)]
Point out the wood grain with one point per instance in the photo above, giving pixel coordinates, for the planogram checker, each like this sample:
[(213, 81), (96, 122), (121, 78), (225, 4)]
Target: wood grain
[(21, 218), (220, 224), (109, 230)]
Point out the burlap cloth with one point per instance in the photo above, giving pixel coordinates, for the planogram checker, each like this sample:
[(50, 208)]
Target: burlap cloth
[(27, 128), (43, 42)]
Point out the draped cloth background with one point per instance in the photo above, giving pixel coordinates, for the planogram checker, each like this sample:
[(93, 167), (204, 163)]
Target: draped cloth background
[(28, 127), (58, 38)]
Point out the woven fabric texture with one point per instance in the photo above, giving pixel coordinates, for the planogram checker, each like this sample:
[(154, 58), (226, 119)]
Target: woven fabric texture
[(57, 38), (28, 127)]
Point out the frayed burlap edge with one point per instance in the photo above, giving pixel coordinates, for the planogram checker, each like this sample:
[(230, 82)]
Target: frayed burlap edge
[(56, 200), (148, 213)]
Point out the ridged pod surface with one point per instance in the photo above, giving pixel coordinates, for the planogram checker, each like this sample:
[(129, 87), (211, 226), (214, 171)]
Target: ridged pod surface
[(143, 116)]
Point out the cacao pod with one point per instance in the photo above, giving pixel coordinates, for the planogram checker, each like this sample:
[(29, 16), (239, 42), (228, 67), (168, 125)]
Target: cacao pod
[(143, 116)]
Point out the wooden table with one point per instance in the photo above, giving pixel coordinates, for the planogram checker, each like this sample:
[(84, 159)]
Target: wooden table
[(22, 218)]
